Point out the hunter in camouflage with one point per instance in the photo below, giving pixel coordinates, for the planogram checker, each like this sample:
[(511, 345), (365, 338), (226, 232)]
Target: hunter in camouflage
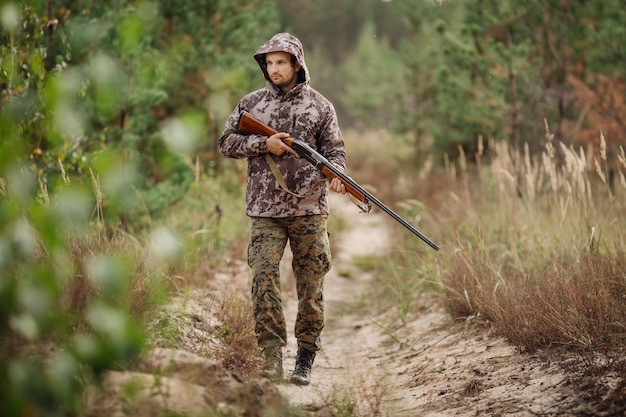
[(290, 105), (302, 113)]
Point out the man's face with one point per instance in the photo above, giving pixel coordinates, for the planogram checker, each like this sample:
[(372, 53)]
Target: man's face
[(281, 71)]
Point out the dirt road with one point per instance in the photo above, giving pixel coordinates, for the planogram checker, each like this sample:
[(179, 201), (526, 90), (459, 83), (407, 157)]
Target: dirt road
[(343, 370)]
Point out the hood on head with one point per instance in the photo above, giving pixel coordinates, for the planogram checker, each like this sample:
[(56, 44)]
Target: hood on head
[(283, 42)]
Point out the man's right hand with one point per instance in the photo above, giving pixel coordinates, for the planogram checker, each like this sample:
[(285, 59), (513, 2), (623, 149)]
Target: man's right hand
[(276, 145)]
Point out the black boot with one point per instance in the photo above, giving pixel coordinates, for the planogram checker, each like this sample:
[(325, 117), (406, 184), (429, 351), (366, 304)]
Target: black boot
[(273, 362), (302, 373)]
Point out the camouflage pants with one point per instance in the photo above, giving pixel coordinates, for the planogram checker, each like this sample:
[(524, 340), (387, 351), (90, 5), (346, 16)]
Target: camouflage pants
[(308, 239)]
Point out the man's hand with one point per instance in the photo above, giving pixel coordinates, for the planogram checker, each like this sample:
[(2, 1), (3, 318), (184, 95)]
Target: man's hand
[(276, 145), (337, 186)]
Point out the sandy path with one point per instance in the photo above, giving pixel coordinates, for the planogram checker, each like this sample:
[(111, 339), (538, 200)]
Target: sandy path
[(343, 367)]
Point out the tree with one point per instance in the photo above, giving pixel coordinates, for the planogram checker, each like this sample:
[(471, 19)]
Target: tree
[(83, 77), (374, 92), (451, 100), (500, 68)]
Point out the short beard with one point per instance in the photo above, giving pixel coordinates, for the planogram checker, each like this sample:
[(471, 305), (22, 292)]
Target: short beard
[(287, 82)]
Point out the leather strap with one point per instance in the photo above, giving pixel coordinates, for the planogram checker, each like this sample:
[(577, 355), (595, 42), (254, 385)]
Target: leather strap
[(283, 184)]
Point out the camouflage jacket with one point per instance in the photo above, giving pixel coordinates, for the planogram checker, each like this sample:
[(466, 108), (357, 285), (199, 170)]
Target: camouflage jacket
[(304, 114)]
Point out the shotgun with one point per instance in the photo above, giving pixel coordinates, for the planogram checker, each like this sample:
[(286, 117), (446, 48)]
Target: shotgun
[(248, 125)]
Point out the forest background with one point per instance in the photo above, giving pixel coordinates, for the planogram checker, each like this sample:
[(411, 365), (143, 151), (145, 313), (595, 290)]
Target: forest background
[(111, 112)]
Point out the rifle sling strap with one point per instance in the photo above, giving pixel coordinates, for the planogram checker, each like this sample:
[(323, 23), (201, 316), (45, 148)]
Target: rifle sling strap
[(283, 183)]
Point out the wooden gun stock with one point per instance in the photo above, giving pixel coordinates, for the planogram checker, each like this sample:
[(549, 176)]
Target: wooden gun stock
[(249, 125)]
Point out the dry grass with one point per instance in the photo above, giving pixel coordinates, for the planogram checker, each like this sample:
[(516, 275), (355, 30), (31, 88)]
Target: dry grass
[(131, 285), (239, 352), (544, 264), (575, 305)]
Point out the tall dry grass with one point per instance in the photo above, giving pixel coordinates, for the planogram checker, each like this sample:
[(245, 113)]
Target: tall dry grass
[(534, 244), (239, 352)]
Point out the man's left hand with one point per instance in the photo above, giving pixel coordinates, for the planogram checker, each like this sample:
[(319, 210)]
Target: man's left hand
[(337, 186)]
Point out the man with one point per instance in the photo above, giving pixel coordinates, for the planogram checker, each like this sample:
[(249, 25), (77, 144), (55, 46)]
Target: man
[(295, 211)]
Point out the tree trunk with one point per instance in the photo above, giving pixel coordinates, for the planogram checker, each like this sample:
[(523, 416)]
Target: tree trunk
[(514, 128)]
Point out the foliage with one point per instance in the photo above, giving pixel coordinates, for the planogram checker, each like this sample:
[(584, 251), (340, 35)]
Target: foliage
[(102, 111), (372, 64), (529, 243), (470, 69), (498, 69), (334, 24), (144, 79), (603, 103), (70, 297)]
